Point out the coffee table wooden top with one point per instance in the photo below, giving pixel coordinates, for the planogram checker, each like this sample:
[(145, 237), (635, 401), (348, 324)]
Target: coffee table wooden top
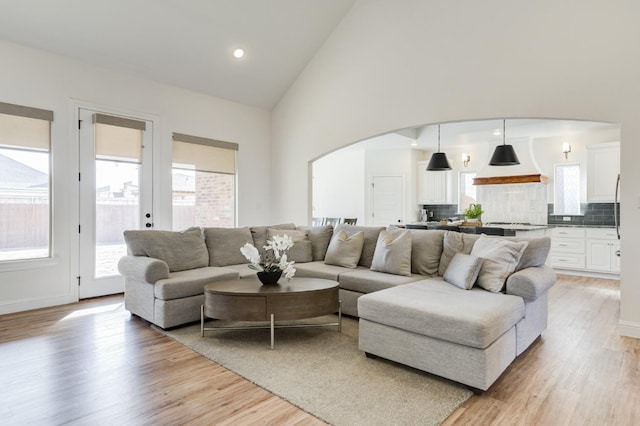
[(249, 300), (252, 285)]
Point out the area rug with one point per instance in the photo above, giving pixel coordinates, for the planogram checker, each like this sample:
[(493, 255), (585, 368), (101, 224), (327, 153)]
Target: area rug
[(322, 371)]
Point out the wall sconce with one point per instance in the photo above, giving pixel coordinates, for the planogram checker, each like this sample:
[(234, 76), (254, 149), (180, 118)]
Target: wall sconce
[(465, 159), (566, 149)]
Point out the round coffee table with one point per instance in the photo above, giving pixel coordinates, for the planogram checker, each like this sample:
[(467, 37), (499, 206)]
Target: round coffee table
[(247, 299)]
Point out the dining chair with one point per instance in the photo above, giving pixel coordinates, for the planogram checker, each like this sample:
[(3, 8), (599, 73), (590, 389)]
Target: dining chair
[(333, 221), (350, 221), (317, 221)]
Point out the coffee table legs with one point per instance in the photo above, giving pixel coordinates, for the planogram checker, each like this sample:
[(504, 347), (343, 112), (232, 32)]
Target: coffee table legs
[(272, 324)]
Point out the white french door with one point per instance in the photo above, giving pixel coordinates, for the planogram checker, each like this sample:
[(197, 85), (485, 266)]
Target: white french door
[(386, 200), (115, 194)]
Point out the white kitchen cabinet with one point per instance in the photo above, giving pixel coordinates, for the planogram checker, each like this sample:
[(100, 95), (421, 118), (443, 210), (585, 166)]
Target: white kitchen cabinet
[(603, 166), (434, 187), (567, 248), (603, 250)]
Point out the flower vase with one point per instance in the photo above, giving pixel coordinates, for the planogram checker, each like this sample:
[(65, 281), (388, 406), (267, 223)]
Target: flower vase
[(269, 277)]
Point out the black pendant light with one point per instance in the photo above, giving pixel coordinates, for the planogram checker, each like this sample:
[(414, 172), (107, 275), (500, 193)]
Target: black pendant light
[(438, 160), (504, 155)]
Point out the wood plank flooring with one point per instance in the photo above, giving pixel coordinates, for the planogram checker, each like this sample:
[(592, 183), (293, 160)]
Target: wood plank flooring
[(93, 363)]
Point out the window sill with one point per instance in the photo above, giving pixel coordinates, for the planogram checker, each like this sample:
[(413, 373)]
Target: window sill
[(23, 264)]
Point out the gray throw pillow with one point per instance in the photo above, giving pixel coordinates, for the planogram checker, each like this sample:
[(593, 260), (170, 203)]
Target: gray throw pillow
[(302, 251), (500, 256), (224, 245), (426, 249), (344, 250), (463, 270), (454, 242), (393, 254), (179, 250), (536, 252), (259, 234), (370, 240), (320, 237)]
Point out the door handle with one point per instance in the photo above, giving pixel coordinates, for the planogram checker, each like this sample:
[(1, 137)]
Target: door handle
[(148, 225)]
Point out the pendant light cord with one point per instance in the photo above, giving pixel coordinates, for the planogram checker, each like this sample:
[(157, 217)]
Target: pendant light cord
[(438, 138)]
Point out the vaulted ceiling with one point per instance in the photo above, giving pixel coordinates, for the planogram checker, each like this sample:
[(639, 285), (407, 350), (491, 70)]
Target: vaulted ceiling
[(186, 43)]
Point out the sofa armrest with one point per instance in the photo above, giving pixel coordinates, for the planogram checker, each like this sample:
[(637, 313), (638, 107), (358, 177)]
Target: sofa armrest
[(143, 268), (530, 283)]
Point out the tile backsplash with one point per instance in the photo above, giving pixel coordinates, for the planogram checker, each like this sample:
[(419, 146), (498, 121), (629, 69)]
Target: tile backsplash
[(593, 214), (514, 203)]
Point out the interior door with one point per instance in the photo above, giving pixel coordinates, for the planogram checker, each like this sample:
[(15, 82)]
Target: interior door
[(115, 195), (387, 200)]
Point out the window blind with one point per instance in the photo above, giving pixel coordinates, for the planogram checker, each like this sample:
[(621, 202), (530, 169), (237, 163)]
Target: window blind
[(25, 127), (202, 154)]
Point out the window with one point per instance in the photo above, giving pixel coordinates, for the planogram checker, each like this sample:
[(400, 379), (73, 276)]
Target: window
[(204, 182), (25, 187), (567, 189), (467, 190)]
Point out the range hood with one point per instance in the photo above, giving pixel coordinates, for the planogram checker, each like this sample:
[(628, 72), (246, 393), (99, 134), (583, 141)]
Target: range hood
[(527, 171)]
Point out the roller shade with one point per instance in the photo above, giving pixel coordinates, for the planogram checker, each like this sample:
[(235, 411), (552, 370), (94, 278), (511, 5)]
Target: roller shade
[(118, 137), (202, 154), (25, 127)]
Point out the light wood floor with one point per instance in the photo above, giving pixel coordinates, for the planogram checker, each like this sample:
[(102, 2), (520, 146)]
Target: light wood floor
[(92, 363)]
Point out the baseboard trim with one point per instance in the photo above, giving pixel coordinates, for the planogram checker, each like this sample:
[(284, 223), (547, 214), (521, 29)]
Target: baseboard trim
[(13, 306), (629, 329)]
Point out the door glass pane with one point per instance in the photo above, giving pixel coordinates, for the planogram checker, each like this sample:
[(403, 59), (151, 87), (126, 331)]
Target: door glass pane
[(118, 168)]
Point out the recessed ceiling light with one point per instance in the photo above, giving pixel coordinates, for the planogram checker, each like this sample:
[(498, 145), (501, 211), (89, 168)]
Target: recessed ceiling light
[(238, 53)]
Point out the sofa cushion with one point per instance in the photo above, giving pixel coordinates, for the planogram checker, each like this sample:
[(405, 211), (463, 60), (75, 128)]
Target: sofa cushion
[(366, 280), (320, 237), (301, 251), (320, 269), (344, 250), (463, 270), (259, 234), (452, 243), (224, 245), (500, 257), (190, 283), (426, 249), (393, 253), (435, 308), (179, 250), (370, 240)]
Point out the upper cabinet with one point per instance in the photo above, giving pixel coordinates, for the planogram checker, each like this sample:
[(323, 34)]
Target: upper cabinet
[(434, 187), (603, 166)]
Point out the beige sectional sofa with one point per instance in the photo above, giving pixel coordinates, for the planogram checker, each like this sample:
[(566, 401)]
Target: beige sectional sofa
[(413, 308)]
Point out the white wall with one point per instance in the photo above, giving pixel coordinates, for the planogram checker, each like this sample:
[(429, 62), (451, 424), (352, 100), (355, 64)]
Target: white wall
[(37, 79), (392, 64), (339, 184)]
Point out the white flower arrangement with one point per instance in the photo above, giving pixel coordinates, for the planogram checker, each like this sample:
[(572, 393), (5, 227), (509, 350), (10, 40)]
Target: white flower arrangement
[(275, 258)]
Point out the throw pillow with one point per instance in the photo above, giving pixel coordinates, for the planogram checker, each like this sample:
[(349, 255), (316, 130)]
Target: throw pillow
[(463, 270), (426, 249), (344, 250), (302, 250), (259, 234), (455, 242), (179, 250), (536, 252), (500, 257), (224, 245), (370, 240), (320, 237), (393, 254)]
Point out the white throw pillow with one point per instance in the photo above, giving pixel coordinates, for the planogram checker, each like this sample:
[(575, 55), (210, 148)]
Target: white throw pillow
[(344, 250), (393, 254), (500, 258), (463, 270)]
